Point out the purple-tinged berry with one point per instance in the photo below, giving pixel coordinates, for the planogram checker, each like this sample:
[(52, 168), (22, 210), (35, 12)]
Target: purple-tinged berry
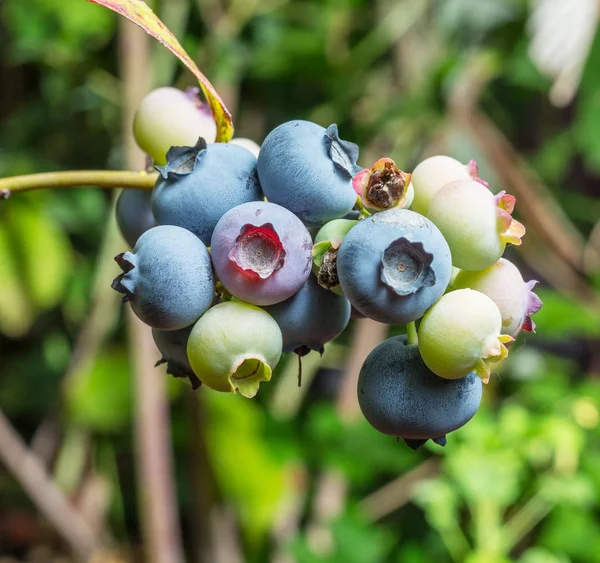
[(172, 345), (311, 318), (134, 214), (461, 333), (400, 396), (505, 286), (168, 117), (383, 186), (262, 253), (325, 249), (434, 173), (308, 170), (233, 347), (167, 278), (198, 185), (393, 266)]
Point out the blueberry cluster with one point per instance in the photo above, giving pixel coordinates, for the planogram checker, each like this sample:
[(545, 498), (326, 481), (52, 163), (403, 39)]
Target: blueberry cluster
[(238, 258)]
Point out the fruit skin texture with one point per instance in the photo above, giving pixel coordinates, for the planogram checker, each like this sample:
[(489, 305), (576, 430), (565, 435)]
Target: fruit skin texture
[(476, 223), (431, 175), (233, 347), (294, 265), (505, 286), (169, 117), (308, 170), (364, 264), (311, 318), (461, 333), (172, 345), (400, 396), (249, 144), (167, 278), (134, 214), (200, 184)]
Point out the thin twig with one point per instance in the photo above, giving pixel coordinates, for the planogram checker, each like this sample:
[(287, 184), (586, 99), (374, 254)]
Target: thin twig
[(158, 505), (397, 493), (78, 179), (43, 491)]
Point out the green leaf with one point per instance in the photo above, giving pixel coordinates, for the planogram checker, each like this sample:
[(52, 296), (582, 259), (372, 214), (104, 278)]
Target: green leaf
[(248, 473), (101, 397), (16, 315), (45, 255), (562, 316)]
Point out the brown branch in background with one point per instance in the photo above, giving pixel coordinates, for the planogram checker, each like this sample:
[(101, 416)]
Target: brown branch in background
[(43, 491), (397, 493), (367, 334), (158, 508), (536, 203)]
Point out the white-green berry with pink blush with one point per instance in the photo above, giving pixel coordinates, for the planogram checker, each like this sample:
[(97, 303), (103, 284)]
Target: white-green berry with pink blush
[(476, 223)]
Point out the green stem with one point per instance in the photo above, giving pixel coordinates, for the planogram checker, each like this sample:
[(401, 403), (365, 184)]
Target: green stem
[(77, 178), (411, 332), (363, 211)]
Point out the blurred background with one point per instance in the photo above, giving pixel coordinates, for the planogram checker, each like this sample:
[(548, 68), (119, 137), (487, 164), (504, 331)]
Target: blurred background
[(104, 457)]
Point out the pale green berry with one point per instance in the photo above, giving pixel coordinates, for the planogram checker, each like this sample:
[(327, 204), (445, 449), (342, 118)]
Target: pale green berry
[(249, 144), (504, 285), (476, 223), (433, 174), (168, 117), (234, 346), (462, 333)]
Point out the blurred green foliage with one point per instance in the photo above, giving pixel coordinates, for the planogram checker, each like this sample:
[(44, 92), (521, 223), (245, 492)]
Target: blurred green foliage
[(521, 482)]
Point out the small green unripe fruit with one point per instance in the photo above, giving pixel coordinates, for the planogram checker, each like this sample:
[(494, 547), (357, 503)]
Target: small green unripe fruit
[(431, 175), (168, 117), (233, 347), (462, 333)]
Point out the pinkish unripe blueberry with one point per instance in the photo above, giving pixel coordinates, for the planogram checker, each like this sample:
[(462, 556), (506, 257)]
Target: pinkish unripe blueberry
[(432, 174), (476, 223), (168, 117), (504, 285), (462, 333)]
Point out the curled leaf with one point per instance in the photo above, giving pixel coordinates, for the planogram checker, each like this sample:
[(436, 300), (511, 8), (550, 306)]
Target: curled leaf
[(139, 13)]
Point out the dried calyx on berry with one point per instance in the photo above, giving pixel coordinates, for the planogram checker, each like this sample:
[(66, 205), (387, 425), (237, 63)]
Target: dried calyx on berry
[(383, 186)]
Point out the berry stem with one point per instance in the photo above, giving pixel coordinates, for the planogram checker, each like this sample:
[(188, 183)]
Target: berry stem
[(411, 332), (77, 178)]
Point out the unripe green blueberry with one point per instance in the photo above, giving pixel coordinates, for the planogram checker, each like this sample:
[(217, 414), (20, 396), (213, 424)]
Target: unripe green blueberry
[(168, 117), (504, 285), (462, 333), (476, 223), (233, 347), (433, 174)]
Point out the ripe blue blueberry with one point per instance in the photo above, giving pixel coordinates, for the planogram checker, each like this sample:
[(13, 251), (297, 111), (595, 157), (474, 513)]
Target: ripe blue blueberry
[(172, 345), (134, 214), (308, 169), (262, 253), (167, 278), (393, 266), (400, 396), (199, 184), (311, 318)]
